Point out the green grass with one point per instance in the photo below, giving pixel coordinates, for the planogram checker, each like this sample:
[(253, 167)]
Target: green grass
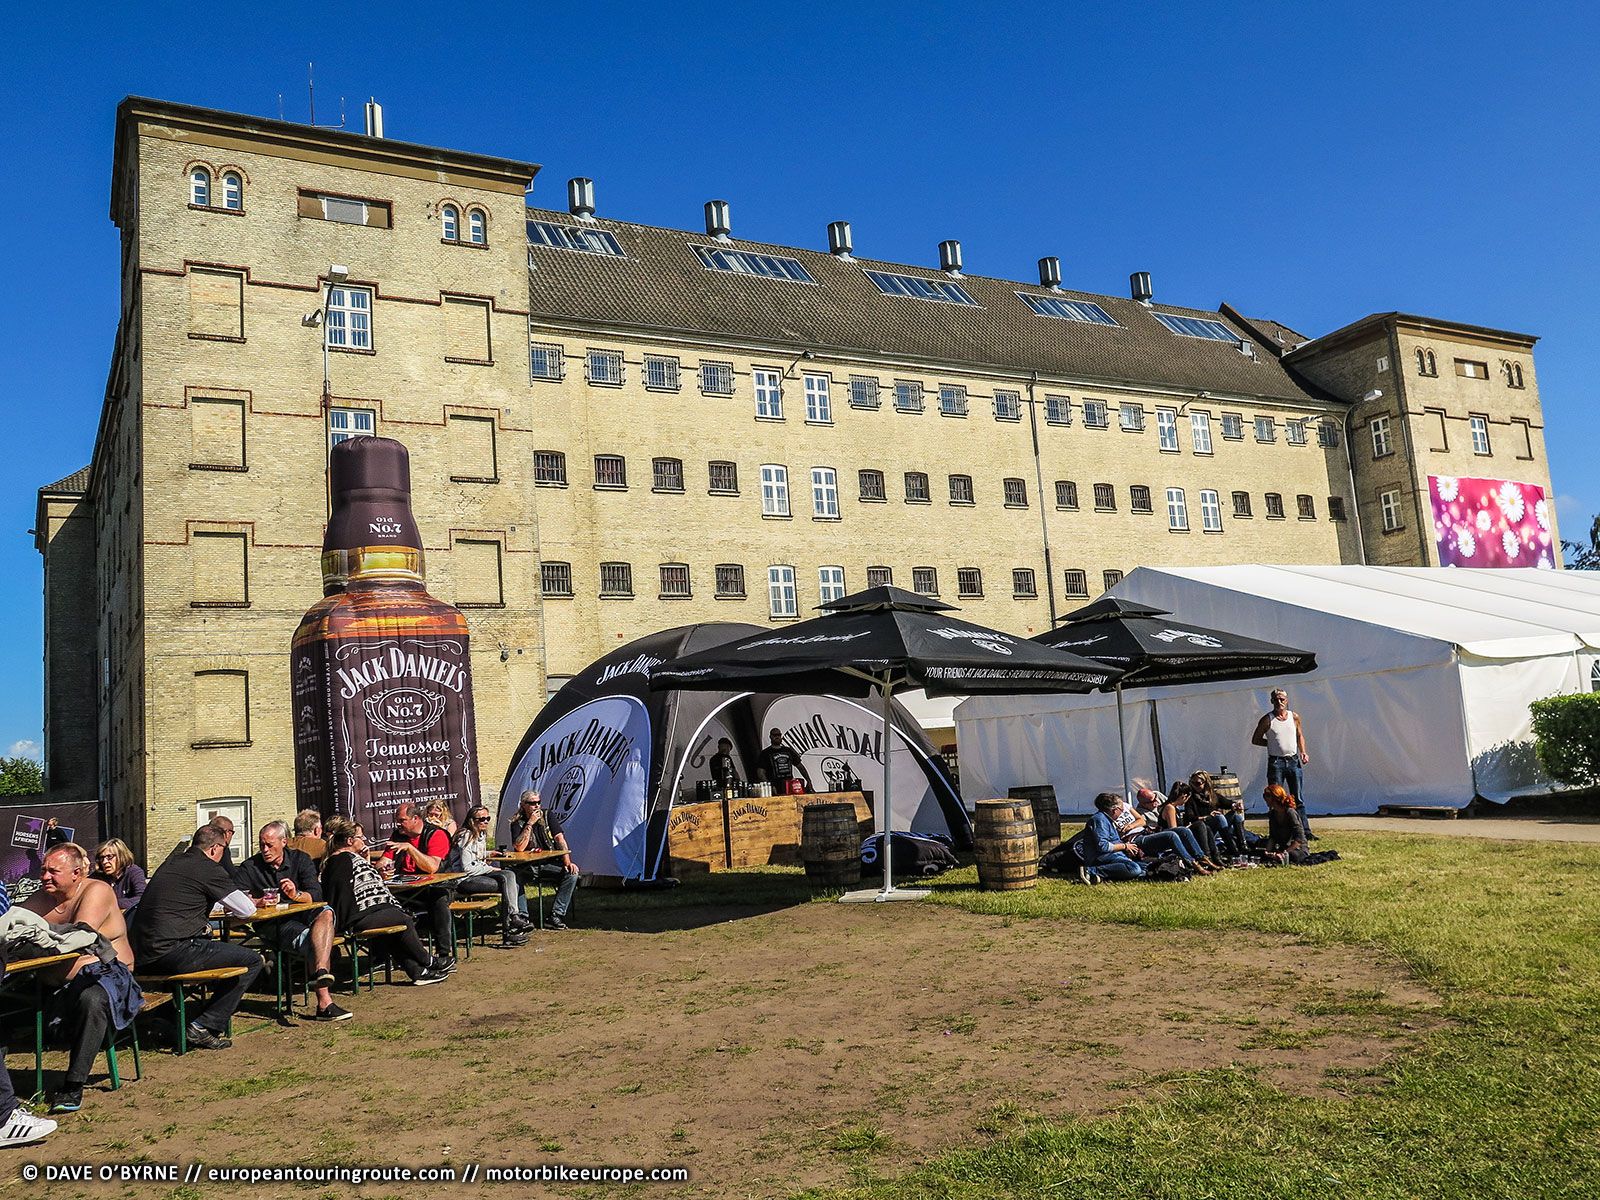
[(1501, 1100)]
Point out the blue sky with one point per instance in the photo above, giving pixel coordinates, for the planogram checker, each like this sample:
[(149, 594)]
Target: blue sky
[(1312, 163)]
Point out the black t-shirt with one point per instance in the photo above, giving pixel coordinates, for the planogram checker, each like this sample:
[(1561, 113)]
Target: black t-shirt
[(176, 904), (782, 764), (722, 769), (253, 875)]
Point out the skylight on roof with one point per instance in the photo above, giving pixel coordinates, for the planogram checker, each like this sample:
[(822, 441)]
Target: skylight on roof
[(918, 288), (1197, 327), (744, 262), (1067, 310), (570, 237)]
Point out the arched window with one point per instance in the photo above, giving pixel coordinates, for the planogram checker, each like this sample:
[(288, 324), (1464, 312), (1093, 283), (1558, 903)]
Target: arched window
[(475, 227), (1594, 676), (452, 222), (1422, 361), (232, 191), (200, 186)]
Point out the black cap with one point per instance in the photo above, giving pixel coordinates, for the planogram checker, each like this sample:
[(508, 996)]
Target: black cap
[(370, 478)]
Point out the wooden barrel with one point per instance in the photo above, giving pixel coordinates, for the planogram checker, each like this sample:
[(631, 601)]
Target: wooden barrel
[(830, 845), (1227, 788), (1007, 847), (1046, 813)]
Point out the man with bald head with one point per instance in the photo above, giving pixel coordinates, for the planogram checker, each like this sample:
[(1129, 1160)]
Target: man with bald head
[(278, 866)]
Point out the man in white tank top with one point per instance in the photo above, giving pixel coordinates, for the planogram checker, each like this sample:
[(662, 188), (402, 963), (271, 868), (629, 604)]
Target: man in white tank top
[(1281, 732)]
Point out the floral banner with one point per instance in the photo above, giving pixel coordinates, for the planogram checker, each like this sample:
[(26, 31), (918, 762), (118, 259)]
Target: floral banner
[(1490, 523)]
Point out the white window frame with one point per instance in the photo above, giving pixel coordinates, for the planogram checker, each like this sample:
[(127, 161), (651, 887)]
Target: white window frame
[(551, 355), (774, 490), (1295, 433), (1381, 445), (824, 494), (1130, 418), (952, 400), (348, 325), (603, 368), (1096, 415), (1177, 511), (1389, 505), (1167, 430), (1200, 432), (1058, 410), (714, 373), (1480, 434), (1007, 406), (782, 598), (830, 584), (233, 191), (768, 386), (661, 373), (819, 400), (449, 223), (346, 423), (477, 227), (1210, 511), (200, 187), (1265, 425)]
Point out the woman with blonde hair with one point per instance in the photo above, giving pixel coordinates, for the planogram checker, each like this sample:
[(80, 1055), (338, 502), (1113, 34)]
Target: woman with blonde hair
[(1203, 806), (113, 860), (438, 813)]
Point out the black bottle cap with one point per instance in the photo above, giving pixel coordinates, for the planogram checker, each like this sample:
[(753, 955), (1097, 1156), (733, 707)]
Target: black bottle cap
[(370, 478)]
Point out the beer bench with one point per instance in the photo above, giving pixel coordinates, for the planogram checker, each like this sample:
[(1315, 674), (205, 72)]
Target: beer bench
[(177, 984)]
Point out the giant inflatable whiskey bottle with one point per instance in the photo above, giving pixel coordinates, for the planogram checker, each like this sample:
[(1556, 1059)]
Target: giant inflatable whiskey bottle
[(379, 670)]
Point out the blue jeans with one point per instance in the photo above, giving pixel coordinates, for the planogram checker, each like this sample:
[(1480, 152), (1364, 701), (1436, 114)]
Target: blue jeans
[(1117, 866), (1229, 828), (1160, 841), (1191, 848), (1288, 774)]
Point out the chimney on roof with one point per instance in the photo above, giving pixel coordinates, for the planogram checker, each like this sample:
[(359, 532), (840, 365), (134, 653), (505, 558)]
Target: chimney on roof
[(718, 224), (839, 242), (1139, 284), (580, 198), (1050, 273), (374, 113), (950, 257)]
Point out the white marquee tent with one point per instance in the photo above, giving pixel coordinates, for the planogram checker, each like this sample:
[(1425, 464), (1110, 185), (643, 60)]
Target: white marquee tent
[(1420, 695)]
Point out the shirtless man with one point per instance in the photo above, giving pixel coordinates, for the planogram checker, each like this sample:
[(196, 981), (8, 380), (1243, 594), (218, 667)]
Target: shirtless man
[(68, 896)]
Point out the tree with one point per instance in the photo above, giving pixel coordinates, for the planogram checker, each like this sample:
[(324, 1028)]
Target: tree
[(20, 777), (1585, 557)]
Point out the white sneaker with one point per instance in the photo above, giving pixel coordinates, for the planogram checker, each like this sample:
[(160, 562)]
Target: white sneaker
[(22, 1127)]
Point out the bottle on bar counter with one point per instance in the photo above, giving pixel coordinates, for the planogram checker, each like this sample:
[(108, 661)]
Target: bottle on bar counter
[(379, 670)]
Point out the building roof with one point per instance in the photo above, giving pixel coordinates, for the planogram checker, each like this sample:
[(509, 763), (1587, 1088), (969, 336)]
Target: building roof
[(661, 286), (1375, 324), (73, 485)]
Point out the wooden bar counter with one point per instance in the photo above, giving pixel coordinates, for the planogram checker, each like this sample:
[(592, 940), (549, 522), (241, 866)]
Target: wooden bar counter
[(748, 831)]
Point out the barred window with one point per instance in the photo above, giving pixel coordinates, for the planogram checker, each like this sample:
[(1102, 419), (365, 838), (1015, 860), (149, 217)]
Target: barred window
[(925, 581), (907, 395), (616, 579), (969, 582), (1139, 499), (1094, 414), (544, 360), (1023, 586), (871, 484), (1016, 493), (550, 468), (1266, 429), (1297, 431), (1305, 508), (863, 391), (1058, 410), (961, 489), (880, 577), (1075, 583), (610, 471), (668, 474), (1233, 426), (660, 373), (1066, 494), (1110, 579), (1335, 508), (1327, 433), (716, 378), (555, 578), (674, 581), (724, 478), (952, 400), (1131, 417), (917, 488), (730, 581), (1274, 506), (604, 367), (1105, 498), (1241, 504), (1008, 406)]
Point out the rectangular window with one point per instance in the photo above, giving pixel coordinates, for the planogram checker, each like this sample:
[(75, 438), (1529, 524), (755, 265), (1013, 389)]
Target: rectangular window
[(555, 578), (466, 331), (1233, 427), (1200, 432), (1066, 494), (961, 489), (716, 378), (1480, 434), (774, 490), (349, 318), (1381, 446), (475, 565), (819, 402), (830, 584), (1067, 310), (216, 305), (1139, 499), (1075, 583), (1327, 434), (221, 708), (1210, 512), (1094, 414), (350, 422), (769, 393), (472, 449), (616, 580), (1296, 431), (1266, 429), (1335, 508), (660, 373), (220, 572), (570, 237), (925, 581), (969, 582), (724, 478), (346, 210), (666, 474), (1197, 327), (907, 396), (610, 471), (920, 289), (824, 494), (1131, 417), (1389, 503), (1177, 510), (1058, 410), (917, 488), (1110, 579), (863, 391), (549, 468), (1305, 508), (1167, 429), (879, 577), (1274, 506), (1016, 493), (1105, 498), (1468, 369), (1241, 504), (745, 262), (871, 483), (1023, 586), (1008, 406), (544, 360), (216, 433), (730, 581), (675, 581), (604, 367), (781, 598), (952, 400)]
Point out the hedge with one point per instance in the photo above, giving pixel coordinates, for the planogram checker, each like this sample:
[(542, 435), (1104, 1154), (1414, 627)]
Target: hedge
[(1567, 731)]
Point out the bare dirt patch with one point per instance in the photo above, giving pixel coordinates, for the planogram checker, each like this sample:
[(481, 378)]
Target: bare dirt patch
[(764, 1050)]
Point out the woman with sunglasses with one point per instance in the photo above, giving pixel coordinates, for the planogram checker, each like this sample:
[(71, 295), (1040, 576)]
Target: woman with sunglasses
[(473, 841)]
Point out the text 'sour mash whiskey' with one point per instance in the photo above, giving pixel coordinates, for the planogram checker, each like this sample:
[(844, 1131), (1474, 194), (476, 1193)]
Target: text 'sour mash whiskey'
[(381, 679)]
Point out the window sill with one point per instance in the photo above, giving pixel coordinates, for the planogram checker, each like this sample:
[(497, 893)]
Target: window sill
[(819, 421), (480, 603), (216, 337), (911, 411), (610, 487), (1012, 420), (550, 483), (1142, 512), (783, 616), (1172, 530), (1396, 529), (865, 407), (963, 504), (217, 208), (673, 596), (229, 467), (1483, 454), (666, 491), (474, 479), (956, 415), (1058, 424), (219, 604), (1385, 454), (545, 378), (770, 420), (616, 595), (1024, 595), (1202, 453), (1305, 518), (874, 500), (722, 492), (1066, 508), (1211, 532), (730, 596), (469, 362), (1274, 517), (833, 519), (351, 350), (464, 244), (1016, 506), (715, 395), (220, 745), (1239, 516), (605, 383), (1098, 509), (661, 387), (556, 595), (777, 516)]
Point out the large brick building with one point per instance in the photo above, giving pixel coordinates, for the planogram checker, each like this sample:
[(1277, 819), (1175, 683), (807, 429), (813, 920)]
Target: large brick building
[(618, 427)]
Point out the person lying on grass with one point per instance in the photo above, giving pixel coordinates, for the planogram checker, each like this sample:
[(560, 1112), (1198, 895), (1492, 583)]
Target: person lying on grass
[(1132, 826), (1160, 813)]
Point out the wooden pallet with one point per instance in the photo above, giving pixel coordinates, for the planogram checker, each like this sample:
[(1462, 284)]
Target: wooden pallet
[(1430, 811)]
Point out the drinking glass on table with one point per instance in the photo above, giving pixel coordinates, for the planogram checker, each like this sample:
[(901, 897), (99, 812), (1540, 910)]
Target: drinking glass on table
[(269, 898)]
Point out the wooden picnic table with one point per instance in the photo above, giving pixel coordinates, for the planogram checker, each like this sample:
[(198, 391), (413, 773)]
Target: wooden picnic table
[(278, 912), (411, 883), (525, 857)]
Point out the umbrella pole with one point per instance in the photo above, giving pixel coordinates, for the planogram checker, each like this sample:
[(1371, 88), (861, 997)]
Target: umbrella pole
[(1122, 743), (886, 805)]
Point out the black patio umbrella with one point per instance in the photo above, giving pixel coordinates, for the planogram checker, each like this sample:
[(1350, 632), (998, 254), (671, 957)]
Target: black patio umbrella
[(881, 639), (1153, 650)]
